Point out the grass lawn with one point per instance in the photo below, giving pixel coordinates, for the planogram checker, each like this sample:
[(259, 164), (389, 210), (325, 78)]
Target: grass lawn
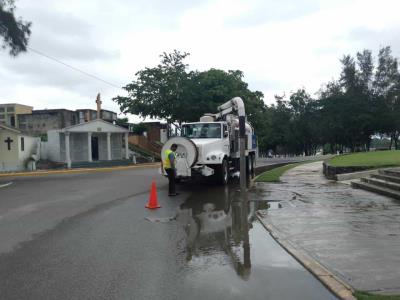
[(366, 296), (274, 175), (367, 159)]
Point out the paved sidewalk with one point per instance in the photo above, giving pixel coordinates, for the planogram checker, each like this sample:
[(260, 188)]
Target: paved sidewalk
[(76, 171), (355, 234)]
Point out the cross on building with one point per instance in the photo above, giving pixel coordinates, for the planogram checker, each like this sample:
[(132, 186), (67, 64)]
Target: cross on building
[(8, 141)]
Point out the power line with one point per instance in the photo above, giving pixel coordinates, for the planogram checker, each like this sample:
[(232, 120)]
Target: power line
[(72, 67), (68, 66)]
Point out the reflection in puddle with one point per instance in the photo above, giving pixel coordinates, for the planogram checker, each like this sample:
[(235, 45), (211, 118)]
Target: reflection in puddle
[(219, 225), (230, 255)]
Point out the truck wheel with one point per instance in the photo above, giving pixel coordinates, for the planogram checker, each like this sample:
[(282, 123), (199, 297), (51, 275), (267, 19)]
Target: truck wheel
[(223, 173)]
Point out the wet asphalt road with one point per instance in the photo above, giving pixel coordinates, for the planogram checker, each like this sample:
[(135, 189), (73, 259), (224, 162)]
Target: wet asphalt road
[(89, 236)]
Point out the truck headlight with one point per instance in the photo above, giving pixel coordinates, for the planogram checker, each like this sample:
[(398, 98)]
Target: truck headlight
[(213, 157)]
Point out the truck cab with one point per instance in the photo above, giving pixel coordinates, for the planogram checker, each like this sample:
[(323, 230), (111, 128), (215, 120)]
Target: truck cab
[(211, 140)]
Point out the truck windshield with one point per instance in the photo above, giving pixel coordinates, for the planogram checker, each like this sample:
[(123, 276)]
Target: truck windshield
[(202, 130)]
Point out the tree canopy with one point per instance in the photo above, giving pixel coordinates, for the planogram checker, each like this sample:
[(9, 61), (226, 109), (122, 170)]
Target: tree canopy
[(344, 115), (14, 31), (169, 91)]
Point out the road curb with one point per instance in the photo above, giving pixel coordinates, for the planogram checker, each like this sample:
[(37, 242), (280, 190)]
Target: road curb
[(78, 171), (327, 278)]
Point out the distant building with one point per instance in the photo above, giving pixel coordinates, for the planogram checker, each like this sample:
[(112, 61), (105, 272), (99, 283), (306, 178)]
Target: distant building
[(38, 122), (9, 113), (86, 115), (91, 141), (156, 131), (152, 138), (16, 149)]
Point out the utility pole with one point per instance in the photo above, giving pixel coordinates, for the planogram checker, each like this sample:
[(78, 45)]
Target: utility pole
[(242, 149), (238, 105)]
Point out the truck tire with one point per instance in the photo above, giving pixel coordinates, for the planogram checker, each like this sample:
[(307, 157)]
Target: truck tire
[(222, 173)]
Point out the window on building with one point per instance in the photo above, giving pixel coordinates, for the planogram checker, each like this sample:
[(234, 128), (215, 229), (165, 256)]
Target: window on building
[(10, 109), (2, 110), (22, 144), (81, 117)]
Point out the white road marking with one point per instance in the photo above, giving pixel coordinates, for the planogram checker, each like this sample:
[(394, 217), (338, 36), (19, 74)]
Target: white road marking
[(5, 185)]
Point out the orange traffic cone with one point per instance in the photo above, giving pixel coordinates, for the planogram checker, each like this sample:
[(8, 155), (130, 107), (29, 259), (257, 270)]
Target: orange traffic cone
[(153, 203)]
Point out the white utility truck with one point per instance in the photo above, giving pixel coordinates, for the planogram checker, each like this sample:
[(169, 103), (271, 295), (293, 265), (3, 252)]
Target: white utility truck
[(211, 147)]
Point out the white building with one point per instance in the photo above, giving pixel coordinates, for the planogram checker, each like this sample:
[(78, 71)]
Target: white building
[(16, 149), (96, 140)]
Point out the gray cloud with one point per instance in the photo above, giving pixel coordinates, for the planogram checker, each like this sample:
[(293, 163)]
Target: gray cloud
[(374, 39), (271, 11), (33, 70), (88, 34), (74, 48), (66, 36)]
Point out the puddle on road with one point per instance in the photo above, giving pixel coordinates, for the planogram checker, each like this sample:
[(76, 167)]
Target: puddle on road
[(225, 248), (218, 225)]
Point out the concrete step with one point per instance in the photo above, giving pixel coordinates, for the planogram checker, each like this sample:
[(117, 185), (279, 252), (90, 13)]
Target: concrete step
[(376, 189), (391, 172), (386, 177), (382, 183)]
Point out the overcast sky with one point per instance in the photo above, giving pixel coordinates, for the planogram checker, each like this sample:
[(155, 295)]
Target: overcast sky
[(279, 45)]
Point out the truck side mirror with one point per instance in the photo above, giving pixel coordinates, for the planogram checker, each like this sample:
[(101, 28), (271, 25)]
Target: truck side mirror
[(226, 133)]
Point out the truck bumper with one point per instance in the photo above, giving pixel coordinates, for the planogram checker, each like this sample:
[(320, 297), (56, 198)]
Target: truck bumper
[(200, 170), (203, 170)]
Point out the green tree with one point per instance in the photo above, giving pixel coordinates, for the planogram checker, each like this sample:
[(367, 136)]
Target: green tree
[(159, 92), (355, 79), (387, 91), (280, 134), (139, 128), (170, 92), (211, 88), (332, 116), (303, 134), (122, 122), (15, 32)]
